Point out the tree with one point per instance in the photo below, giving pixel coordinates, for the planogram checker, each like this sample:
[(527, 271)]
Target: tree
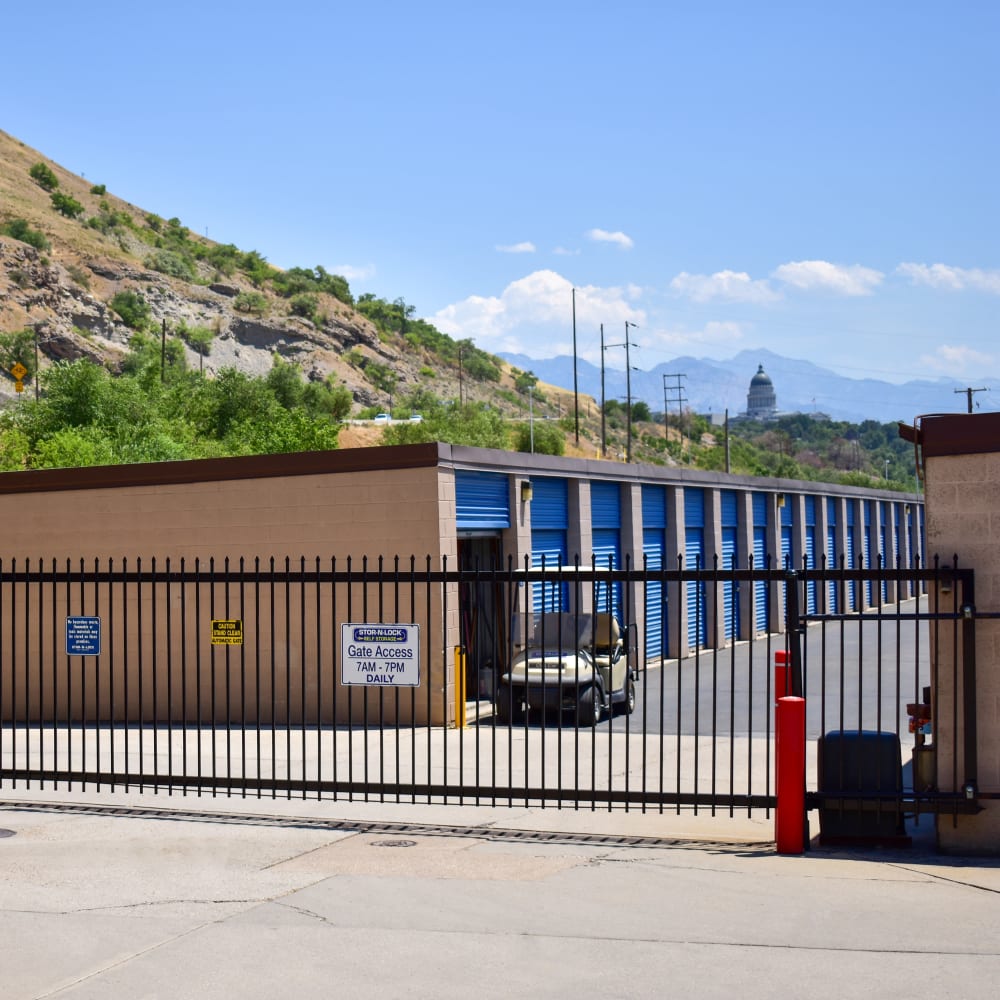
[(132, 308), (640, 411), (285, 382), (43, 176), (66, 205)]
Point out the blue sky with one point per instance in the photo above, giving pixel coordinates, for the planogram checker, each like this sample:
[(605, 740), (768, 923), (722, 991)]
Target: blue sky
[(817, 179)]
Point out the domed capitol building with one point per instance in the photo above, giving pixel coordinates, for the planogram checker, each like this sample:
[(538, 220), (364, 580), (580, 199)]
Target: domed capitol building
[(762, 403)]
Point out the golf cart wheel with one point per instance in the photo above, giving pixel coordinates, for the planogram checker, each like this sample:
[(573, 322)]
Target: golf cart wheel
[(589, 705), (627, 705)]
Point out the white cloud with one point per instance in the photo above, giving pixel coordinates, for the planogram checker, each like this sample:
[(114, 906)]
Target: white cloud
[(712, 333), (810, 275), (603, 236), (564, 252), (352, 273), (951, 278), (534, 315), (957, 361), (525, 247), (732, 286)]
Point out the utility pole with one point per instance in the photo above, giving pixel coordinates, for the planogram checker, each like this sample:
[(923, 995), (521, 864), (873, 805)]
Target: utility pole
[(163, 352), (531, 416), (628, 391), (576, 389), (679, 400), (969, 393), (604, 441), (460, 349), (628, 384), (728, 469)]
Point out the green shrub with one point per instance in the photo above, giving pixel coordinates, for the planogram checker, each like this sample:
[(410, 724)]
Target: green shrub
[(20, 230), (175, 264), (66, 205), (99, 189), (17, 348), (199, 338), (154, 222), (132, 307), (546, 435), (304, 304), (80, 275), (251, 302), (43, 177)]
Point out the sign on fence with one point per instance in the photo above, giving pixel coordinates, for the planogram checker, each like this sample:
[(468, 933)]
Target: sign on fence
[(388, 655), (83, 636), (227, 632)]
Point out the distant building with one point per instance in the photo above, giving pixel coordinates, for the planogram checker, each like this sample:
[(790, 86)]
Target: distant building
[(762, 403)]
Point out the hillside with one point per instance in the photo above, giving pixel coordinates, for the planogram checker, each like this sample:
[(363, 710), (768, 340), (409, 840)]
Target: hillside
[(243, 311)]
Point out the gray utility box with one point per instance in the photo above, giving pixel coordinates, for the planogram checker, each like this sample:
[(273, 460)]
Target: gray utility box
[(860, 763)]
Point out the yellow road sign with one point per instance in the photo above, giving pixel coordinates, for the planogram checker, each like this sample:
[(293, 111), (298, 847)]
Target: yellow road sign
[(227, 632), (18, 371), (18, 386)]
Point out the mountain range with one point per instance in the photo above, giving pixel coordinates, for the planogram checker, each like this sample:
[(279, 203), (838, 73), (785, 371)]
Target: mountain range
[(708, 386)]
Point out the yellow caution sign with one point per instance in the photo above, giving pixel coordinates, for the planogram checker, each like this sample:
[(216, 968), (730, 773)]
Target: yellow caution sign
[(18, 386), (18, 371), (227, 632)]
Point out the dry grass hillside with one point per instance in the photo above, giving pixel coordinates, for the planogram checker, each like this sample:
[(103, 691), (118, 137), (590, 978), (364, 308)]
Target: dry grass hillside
[(63, 292)]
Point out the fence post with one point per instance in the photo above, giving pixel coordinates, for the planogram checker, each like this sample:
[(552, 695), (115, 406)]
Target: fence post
[(790, 775), (460, 687)]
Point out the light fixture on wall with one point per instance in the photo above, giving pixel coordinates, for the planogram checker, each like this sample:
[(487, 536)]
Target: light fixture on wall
[(781, 499), (526, 491)]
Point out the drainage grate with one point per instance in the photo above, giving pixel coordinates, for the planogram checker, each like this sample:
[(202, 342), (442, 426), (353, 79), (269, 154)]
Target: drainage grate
[(394, 843), (495, 834)]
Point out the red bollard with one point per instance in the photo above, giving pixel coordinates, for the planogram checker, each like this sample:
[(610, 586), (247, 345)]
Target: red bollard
[(781, 678), (790, 775)]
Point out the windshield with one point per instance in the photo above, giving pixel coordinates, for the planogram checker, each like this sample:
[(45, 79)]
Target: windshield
[(554, 630)]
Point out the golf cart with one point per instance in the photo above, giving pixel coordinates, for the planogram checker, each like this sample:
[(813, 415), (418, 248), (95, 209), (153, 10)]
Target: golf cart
[(568, 661)]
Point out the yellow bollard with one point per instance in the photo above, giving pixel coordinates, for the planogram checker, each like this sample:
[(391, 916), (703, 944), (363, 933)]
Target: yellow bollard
[(460, 687)]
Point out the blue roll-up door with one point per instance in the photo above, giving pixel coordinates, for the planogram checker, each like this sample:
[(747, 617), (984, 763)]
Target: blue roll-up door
[(866, 538), (482, 500), (549, 524), (759, 503), (654, 548), (785, 514), (897, 518), (832, 559), (810, 553), (850, 556), (605, 523), (885, 556), (730, 561), (694, 558)]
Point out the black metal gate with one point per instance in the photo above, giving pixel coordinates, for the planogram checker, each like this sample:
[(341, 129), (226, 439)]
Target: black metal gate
[(229, 679)]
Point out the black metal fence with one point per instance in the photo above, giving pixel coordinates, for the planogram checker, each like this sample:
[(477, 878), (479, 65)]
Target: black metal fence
[(253, 679)]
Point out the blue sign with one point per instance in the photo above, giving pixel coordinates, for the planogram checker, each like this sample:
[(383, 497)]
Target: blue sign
[(83, 636)]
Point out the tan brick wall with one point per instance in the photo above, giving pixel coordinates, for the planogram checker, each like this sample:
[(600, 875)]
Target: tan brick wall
[(358, 514), (963, 519)]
